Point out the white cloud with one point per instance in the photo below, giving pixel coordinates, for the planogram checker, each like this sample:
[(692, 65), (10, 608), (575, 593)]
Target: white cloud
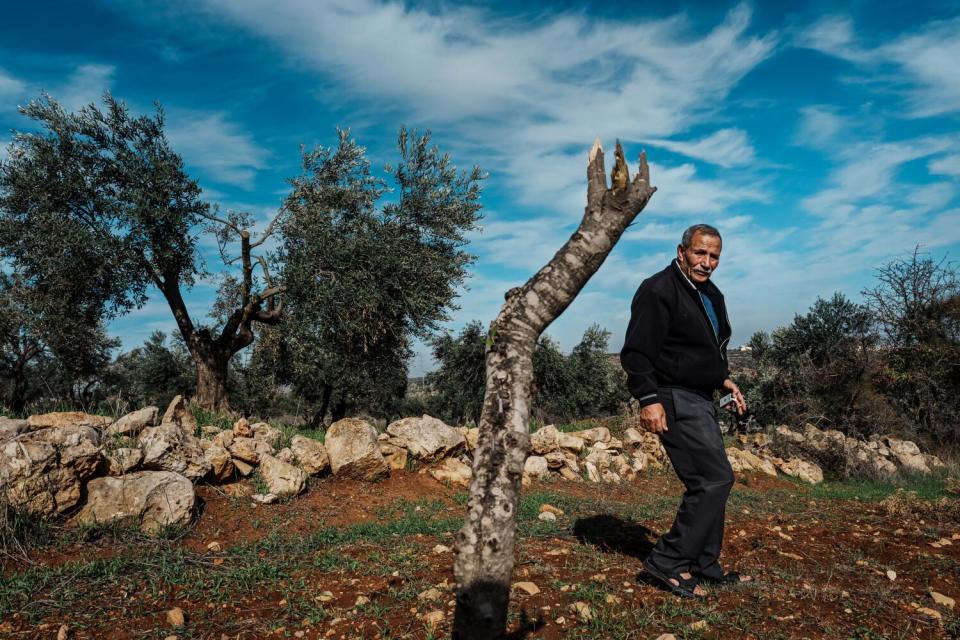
[(214, 144), (725, 148), (923, 63), (524, 94), (946, 166), (85, 85), (819, 127), (10, 88)]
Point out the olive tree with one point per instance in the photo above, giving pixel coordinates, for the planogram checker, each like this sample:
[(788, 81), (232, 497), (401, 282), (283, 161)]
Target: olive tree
[(95, 207)]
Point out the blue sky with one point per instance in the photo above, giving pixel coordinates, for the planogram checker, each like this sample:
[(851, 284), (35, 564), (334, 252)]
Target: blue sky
[(821, 138)]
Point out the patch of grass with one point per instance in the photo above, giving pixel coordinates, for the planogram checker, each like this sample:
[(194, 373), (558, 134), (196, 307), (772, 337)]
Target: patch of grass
[(289, 431), (207, 418), (927, 487)]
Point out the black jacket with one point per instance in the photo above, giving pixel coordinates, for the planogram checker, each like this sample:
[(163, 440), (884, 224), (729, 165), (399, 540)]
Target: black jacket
[(670, 341)]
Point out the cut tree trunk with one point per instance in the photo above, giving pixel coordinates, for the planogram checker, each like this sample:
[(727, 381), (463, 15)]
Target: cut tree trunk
[(485, 545)]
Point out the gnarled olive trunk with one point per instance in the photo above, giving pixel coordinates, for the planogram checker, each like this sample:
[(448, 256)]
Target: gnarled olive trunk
[(485, 544), (211, 379)]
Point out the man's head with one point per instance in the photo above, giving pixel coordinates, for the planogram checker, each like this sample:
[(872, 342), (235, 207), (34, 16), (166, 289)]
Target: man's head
[(698, 253)]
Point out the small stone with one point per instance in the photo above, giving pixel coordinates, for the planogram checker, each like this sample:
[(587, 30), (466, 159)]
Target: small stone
[(699, 625), (891, 574), (264, 498), (441, 548), (582, 609), (549, 508), (527, 587), (214, 546), (430, 594), (361, 600), (325, 596), (943, 600), (176, 617), (612, 599), (561, 620), (600, 577), (63, 632), (547, 516), (932, 613), (434, 618)]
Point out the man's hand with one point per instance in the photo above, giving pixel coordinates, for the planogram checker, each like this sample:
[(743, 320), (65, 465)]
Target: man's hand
[(653, 418), (739, 404)]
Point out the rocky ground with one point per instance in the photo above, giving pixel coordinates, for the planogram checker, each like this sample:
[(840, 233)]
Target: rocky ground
[(354, 559)]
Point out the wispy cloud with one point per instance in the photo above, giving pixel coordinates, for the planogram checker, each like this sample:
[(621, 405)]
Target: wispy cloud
[(946, 166), (218, 146), (85, 85), (11, 88), (725, 148), (921, 65)]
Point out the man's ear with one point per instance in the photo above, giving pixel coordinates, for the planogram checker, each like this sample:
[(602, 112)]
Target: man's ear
[(680, 254)]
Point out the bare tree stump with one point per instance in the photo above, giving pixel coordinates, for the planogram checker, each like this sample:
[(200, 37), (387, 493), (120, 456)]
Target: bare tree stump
[(485, 544)]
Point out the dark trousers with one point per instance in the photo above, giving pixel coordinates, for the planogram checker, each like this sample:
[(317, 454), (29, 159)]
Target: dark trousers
[(695, 447)]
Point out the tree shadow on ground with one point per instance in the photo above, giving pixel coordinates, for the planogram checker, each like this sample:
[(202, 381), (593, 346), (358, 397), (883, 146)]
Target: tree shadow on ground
[(612, 534)]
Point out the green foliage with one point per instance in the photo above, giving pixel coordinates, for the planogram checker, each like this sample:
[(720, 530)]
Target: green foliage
[(154, 373), (458, 383), (363, 281)]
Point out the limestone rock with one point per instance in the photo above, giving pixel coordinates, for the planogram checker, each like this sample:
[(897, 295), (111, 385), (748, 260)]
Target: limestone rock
[(244, 449), (12, 427), (570, 442), (908, 455), (354, 451), (42, 472), (178, 412), (544, 440), (123, 460), (243, 468), (594, 435), (471, 436), (742, 460), (221, 462), (453, 471), (286, 455), (242, 429), (555, 460), (536, 468), (134, 422), (224, 438), (593, 474), (169, 447), (395, 456), (806, 471), (632, 437), (67, 419), (151, 499), (283, 479), (427, 438), (265, 433)]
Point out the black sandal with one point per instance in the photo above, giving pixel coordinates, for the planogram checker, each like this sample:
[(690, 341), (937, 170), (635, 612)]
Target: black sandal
[(686, 587), (729, 577)]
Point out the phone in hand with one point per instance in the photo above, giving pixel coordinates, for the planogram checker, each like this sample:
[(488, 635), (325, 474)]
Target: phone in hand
[(726, 400)]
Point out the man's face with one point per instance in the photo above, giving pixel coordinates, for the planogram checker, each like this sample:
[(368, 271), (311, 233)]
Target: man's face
[(700, 259)]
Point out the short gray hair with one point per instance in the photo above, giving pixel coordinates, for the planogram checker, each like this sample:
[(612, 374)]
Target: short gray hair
[(705, 229)]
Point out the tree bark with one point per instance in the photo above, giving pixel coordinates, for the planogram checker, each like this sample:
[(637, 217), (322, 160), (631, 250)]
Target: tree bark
[(485, 545), (211, 377)]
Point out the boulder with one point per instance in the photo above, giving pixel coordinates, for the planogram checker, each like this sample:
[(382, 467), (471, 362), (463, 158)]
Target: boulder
[(284, 480), (742, 460), (471, 436), (621, 466), (453, 471), (178, 412), (354, 451), (67, 419), (788, 435), (555, 460), (151, 499), (907, 455), (169, 447), (243, 468), (427, 438), (632, 437), (571, 442), (43, 472), (242, 428), (536, 468), (224, 438), (593, 474), (395, 456), (134, 422), (806, 471), (244, 449), (221, 462), (122, 460), (594, 435), (12, 427), (286, 455), (544, 440), (265, 433), (310, 454)]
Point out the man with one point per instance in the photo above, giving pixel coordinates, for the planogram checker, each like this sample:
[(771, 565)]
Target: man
[(675, 356)]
